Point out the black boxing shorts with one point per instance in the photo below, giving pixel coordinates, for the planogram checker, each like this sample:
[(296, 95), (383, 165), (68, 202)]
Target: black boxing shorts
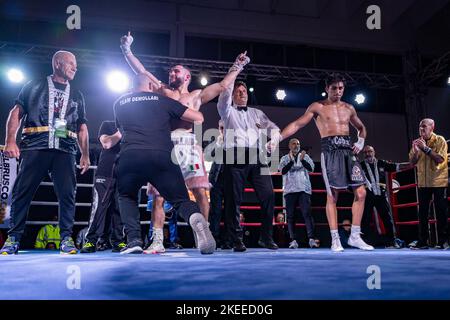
[(340, 167)]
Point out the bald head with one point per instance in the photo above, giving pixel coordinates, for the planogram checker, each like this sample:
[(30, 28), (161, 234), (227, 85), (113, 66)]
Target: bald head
[(141, 82), (294, 145), (426, 128), (428, 121), (64, 65)]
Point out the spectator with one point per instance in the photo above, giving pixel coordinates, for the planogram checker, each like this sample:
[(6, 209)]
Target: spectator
[(375, 172), (429, 153), (49, 236), (295, 168)]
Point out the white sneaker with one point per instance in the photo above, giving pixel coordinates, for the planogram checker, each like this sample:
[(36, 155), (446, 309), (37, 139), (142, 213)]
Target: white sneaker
[(157, 245), (336, 245), (205, 240), (355, 241), (293, 244)]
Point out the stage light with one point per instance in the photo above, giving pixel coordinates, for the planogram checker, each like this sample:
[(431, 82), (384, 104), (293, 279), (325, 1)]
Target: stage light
[(15, 75), (448, 80), (324, 94), (203, 81), (360, 98), (251, 89), (281, 94), (118, 81)]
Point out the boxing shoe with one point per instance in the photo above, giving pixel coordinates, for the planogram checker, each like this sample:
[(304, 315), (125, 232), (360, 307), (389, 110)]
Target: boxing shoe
[(157, 245), (336, 245), (356, 241), (205, 240)]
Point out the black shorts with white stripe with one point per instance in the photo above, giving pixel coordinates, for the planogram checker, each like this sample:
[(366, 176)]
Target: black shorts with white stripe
[(340, 167)]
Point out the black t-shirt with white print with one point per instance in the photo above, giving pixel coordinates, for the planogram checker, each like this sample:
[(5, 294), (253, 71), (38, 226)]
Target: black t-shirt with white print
[(144, 120)]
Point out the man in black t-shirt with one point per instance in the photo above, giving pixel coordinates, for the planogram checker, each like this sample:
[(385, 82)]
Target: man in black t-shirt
[(144, 118), (105, 208), (54, 121), (375, 172)]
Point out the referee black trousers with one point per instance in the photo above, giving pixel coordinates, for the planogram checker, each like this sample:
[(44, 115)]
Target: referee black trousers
[(235, 177)]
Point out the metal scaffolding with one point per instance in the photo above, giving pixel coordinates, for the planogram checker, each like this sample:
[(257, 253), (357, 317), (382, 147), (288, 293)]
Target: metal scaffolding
[(435, 69), (215, 69)]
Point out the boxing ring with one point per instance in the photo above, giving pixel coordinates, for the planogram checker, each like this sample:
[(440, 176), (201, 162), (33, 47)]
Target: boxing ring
[(252, 209), (257, 274)]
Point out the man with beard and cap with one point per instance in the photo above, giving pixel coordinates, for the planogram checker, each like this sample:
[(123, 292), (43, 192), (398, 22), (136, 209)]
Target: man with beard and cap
[(188, 154)]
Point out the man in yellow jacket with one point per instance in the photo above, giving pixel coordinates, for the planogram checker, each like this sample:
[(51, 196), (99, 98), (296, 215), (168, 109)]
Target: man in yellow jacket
[(48, 236), (429, 153)]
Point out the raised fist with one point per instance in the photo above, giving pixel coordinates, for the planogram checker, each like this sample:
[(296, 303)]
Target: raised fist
[(242, 59), (125, 43)]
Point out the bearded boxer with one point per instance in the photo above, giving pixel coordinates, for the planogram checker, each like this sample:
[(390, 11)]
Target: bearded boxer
[(340, 167), (188, 154), (143, 118)]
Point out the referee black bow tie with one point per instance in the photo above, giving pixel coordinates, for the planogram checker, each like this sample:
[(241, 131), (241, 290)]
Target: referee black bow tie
[(241, 108)]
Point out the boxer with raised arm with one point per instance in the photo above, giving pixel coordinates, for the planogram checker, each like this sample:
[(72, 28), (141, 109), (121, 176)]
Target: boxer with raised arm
[(340, 167), (188, 154)]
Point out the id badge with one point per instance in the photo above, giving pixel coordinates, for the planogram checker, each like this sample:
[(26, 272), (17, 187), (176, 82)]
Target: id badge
[(61, 128)]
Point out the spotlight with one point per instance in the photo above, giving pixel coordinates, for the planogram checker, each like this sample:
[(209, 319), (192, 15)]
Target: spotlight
[(15, 75), (324, 94), (251, 89), (203, 81), (281, 94), (117, 81), (360, 98), (448, 80)]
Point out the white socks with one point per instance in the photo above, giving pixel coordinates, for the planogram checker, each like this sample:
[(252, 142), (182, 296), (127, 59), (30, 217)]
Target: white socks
[(356, 230), (334, 233)]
